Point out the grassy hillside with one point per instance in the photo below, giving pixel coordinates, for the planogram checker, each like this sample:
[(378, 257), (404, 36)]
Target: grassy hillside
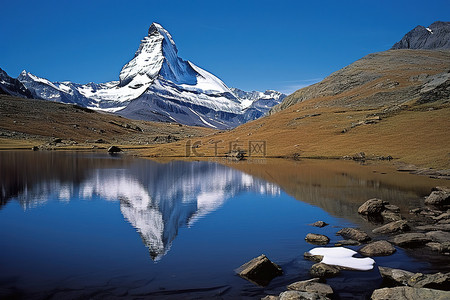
[(390, 103), (26, 122)]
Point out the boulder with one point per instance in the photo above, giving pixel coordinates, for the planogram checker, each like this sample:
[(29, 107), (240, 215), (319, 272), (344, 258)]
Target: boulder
[(409, 293), (259, 270), (393, 227), (114, 149), (378, 248), (439, 247), (270, 297), (319, 224), (392, 208), (318, 239), (439, 236), (297, 295), (442, 227), (395, 276), (311, 286), (391, 216), (438, 198), (410, 239), (439, 281), (372, 206), (347, 243), (354, 234), (309, 256), (322, 270)]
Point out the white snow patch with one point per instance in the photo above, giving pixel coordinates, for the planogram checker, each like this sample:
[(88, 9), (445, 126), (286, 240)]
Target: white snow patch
[(343, 257), (203, 120), (429, 30)]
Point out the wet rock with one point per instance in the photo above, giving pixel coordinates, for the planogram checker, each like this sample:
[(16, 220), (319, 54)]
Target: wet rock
[(392, 208), (309, 256), (259, 270), (444, 216), (391, 216), (312, 286), (371, 207), (297, 295), (322, 270), (439, 247), (57, 141), (410, 239), (319, 224), (443, 227), (395, 276), (439, 236), (409, 293), (114, 149), (347, 243), (438, 198), (378, 248), (318, 239), (270, 297), (354, 234), (393, 227), (439, 281)]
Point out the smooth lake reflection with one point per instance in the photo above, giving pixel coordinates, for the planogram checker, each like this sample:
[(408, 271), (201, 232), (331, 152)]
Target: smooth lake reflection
[(89, 225)]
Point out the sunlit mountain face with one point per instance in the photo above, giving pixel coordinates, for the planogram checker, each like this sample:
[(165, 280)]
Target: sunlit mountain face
[(156, 199)]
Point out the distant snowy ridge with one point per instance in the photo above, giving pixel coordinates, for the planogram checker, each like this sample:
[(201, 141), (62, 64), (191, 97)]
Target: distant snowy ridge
[(158, 85)]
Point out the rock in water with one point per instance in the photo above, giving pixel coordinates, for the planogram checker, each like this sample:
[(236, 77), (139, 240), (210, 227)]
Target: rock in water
[(396, 226), (438, 198), (297, 295), (259, 270), (311, 286), (410, 239), (319, 224), (379, 248), (354, 234), (318, 239), (371, 207), (409, 293), (322, 270), (114, 149), (395, 276)]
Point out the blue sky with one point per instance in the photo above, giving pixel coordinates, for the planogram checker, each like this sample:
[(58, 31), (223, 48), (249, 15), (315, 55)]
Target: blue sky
[(252, 45)]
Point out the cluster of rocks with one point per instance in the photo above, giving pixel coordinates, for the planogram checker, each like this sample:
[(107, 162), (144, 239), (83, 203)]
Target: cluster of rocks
[(362, 157), (430, 229)]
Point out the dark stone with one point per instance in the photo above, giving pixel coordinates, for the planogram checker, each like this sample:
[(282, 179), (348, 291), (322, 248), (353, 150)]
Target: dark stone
[(259, 270), (347, 243), (319, 224), (409, 293), (438, 198), (395, 276), (114, 149), (322, 270), (378, 248), (318, 239), (393, 227), (309, 256), (410, 239), (35, 148), (372, 206), (354, 234)]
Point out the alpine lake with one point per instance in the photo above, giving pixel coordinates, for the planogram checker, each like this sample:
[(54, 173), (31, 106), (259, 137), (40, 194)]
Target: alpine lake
[(79, 225)]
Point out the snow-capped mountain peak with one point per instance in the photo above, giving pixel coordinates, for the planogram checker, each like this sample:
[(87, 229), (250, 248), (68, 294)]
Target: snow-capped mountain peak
[(158, 85)]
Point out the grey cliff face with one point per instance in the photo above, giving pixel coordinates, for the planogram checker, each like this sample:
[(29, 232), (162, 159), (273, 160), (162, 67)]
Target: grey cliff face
[(436, 36)]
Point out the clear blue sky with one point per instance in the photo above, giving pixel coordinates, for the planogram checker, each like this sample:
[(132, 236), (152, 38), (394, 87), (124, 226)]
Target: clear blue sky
[(252, 45)]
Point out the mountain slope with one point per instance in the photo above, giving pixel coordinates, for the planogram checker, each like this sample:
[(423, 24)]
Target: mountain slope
[(436, 36), (158, 85), (394, 103), (13, 87)]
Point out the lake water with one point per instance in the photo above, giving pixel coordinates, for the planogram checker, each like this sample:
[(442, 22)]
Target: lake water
[(80, 225)]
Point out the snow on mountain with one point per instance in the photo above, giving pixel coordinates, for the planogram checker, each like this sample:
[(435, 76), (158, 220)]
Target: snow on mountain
[(12, 86), (158, 85)]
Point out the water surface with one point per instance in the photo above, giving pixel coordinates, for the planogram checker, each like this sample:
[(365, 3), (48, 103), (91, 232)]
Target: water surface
[(91, 225)]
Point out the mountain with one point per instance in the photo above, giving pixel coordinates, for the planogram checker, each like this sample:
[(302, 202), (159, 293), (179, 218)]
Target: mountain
[(436, 36), (12, 86), (393, 103), (158, 85)]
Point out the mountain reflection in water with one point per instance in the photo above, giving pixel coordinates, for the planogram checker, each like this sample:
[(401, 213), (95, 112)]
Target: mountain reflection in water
[(156, 199)]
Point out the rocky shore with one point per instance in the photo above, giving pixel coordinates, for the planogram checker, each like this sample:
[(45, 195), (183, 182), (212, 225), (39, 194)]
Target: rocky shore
[(425, 229)]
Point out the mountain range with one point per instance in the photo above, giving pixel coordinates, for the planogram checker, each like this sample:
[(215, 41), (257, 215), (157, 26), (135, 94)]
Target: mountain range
[(156, 85)]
